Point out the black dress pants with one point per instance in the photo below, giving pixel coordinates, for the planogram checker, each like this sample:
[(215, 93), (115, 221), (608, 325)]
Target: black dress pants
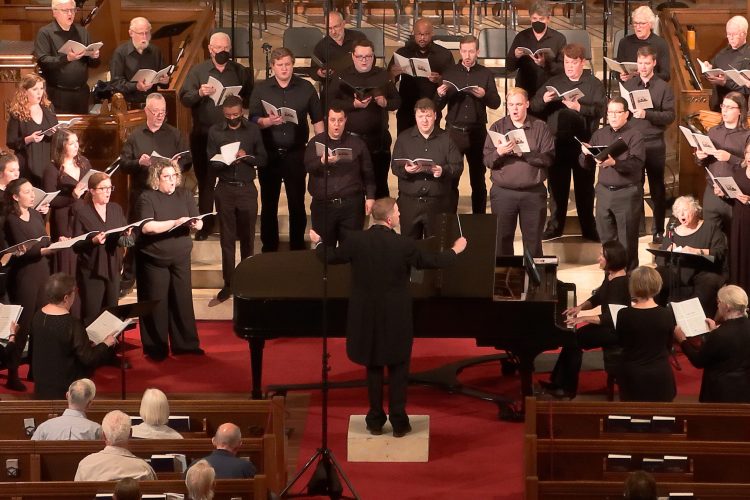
[(237, 206), (566, 162), (69, 101), (332, 219), (398, 381), (286, 167), (96, 293), (568, 366), (513, 206), (471, 144), (419, 215), (656, 152)]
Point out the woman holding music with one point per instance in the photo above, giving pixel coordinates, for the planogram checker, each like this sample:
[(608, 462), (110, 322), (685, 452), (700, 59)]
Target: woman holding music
[(31, 114)]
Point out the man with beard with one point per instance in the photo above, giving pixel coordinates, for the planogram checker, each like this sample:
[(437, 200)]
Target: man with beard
[(343, 185), (334, 50), (285, 144), (196, 93), (413, 88), (643, 35), (534, 70), (367, 111), (132, 56), (735, 55)]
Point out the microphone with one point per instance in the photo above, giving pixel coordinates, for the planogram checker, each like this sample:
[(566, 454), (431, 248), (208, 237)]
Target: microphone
[(670, 228)]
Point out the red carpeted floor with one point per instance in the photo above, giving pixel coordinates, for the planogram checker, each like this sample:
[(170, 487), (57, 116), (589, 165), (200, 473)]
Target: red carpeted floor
[(473, 455)]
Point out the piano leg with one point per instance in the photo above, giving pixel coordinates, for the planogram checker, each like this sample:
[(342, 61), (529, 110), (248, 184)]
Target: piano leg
[(256, 345)]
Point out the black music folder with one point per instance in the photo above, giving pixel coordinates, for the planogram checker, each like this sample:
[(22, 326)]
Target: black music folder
[(683, 258)]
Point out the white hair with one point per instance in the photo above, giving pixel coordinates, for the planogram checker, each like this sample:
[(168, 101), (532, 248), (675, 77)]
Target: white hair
[(56, 3), (645, 13), (738, 22), (116, 427), (199, 480), (220, 34), (81, 393), (139, 20)]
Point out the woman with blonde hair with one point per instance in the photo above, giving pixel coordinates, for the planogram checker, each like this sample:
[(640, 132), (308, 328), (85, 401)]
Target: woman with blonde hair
[(155, 414), (645, 332), (199, 479), (31, 113)]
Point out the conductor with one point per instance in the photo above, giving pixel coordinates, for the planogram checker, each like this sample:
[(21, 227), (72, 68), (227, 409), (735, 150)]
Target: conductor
[(379, 323)]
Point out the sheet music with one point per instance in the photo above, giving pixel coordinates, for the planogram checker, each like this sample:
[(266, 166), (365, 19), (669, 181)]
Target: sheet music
[(106, 324), (690, 316), (125, 228), (62, 244), (8, 315), (614, 310)]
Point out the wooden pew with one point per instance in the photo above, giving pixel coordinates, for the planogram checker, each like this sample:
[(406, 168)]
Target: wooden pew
[(608, 490), (225, 489), (585, 419), (256, 418)]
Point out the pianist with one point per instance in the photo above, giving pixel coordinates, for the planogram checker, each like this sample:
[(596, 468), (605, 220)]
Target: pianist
[(379, 322)]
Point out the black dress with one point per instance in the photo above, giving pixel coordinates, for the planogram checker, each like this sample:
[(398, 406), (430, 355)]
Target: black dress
[(35, 157), (98, 265), (725, 359), (739, 241), (702, 281), (646, 337), (61, 220), (29, 272), (63, 354), (163, 274)]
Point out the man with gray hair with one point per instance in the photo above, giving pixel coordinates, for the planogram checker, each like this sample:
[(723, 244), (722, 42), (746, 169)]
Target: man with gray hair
[(735, 55), (114, 462), (198, 95), (66, 74), (132, 56), (224, 460), (72, 425), (643, 35)]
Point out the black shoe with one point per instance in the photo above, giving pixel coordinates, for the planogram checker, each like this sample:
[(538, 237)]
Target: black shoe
[(375, 431), (591, 236), (657, 238), (401, 432), (548, 386), (197, 351), (126, 287), (155, 355), (550, 234), (223, 294), (201, 235), (15, 384), (561, 394)]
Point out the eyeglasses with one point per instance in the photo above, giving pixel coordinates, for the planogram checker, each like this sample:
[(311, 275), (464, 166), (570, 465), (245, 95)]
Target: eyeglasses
[(615, 112), (157, 114), (105, 188), (142, 33), (169, 176), (724, 106), (67, 11), (364, 58), (640, 23)]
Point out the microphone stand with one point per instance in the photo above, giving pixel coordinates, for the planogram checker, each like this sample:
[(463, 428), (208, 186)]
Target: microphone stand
[(267, 53), (605, 21), (327, 476), (674, 280)]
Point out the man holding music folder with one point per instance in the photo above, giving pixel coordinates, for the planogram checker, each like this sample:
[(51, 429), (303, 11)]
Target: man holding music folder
[(518, 151), (235, 148), (618, 151), (341, 183), (652, 114)]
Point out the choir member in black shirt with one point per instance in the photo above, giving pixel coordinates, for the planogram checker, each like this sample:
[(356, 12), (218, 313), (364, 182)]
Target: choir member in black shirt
[(571, 120), (30, 114), (643, 19), (27, 270), (729, 137), (518, 192), (334, 51), (132, 56), (467, 115), (156, 135), (423, 194), (367, 115), (618, 192), (653, 123), (163, 264), (739, 241), (63, 352), (342, 189), (723, 352), (198, 95), (99, 256), (66, 74), (65, 174), (596, 330), (9, 171), (236, 194), (736, 54), (285, 144), (412, 88), (695, 236), (645, 372), (533, 71)]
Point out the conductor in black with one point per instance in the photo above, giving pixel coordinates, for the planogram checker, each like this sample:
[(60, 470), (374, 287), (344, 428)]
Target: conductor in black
[(379, 321)]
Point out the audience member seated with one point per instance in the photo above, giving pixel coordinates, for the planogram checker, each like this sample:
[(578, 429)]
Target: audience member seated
[(592, 330), (200, 481), (62, 349), (127, 489), (155, 414), (115, 461), (224, 460), (645, 333), (699, 237), (640, 485), (72, 425), (724, 352)]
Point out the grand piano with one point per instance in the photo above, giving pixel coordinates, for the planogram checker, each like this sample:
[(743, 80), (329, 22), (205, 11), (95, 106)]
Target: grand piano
[(505, 302)]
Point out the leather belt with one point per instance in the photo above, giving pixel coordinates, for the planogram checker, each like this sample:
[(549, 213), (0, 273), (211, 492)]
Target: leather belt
[(463, 129), (617, 188), (235, 183)]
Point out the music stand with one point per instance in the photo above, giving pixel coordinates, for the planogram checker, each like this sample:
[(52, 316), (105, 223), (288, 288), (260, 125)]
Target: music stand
[(126, 311), (169, 31)]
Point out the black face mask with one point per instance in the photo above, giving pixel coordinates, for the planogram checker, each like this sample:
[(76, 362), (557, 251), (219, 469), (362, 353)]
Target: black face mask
[(538, 26), (234, 122), (222, 57)]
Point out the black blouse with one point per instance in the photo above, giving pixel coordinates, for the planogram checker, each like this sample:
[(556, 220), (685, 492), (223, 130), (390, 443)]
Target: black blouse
[(103, 260), (161, 206), (33, 158)]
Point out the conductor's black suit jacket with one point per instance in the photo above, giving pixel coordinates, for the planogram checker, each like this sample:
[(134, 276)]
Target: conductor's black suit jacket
[(379, 321)]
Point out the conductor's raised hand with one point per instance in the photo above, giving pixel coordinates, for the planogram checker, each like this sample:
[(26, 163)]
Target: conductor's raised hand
[(459, 245), (314, 237)]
